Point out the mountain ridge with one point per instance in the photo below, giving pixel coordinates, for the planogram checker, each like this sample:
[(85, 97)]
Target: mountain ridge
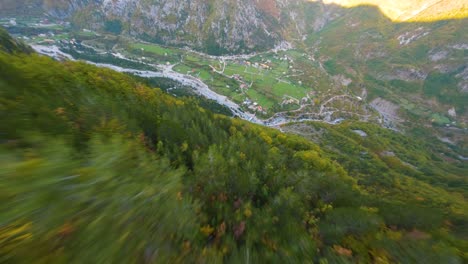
[(413, 11), (98, 166), (217, 27)]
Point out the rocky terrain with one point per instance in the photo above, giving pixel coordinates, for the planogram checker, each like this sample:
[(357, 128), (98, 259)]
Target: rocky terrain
[(214, 26), (217, 26), (410, 57)]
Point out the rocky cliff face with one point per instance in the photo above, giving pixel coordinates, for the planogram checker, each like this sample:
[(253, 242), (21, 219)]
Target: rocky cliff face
[(56, 8), (213, 26), (217, 26)]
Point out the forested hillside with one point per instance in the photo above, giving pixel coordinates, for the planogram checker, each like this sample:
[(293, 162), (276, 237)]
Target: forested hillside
[(97, 167), (8, 44)]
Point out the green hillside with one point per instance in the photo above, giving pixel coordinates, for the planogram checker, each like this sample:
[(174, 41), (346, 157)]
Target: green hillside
[(419, 67), (7, 44), (97, 167)]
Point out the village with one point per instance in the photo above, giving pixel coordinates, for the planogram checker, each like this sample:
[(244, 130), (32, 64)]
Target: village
[(264, 66), (262, 85)]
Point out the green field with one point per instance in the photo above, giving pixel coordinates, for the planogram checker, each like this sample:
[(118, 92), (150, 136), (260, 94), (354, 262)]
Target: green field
[(277, 81), (268, 87), (156, 49)]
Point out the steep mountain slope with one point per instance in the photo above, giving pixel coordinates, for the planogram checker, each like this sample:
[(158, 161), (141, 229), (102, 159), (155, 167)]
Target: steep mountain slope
[(97, 167), (7, 44), (55, 8), (223, 26), (411, 74), (414, 10), (217, 26), (419, 68)]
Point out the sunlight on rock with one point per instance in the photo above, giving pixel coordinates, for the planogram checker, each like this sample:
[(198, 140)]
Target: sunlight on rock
[(414, 11)]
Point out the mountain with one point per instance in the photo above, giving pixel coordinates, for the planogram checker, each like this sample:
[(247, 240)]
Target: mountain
[(418, 68), (409, 56), (414, 10), (217, 26), (223, 26), (98, 167)]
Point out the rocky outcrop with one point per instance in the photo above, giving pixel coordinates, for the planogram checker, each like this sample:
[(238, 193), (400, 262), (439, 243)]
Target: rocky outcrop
[(408, 74), (215, 26), (463, 84)]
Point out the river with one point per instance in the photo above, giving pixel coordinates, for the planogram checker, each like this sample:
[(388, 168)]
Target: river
[(166, 71)]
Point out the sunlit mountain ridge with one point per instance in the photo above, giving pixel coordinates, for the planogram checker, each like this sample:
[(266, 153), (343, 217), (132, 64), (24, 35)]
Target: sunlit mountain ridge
[(415, 10), (98, 167)]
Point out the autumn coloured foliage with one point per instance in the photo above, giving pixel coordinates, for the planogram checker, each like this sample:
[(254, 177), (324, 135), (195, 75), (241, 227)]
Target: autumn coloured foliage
[(97, 167)]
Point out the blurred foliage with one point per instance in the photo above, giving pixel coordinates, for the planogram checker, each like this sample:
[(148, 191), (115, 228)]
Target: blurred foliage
[(416, 179), (113, 26), (97, 167), (8, 44)]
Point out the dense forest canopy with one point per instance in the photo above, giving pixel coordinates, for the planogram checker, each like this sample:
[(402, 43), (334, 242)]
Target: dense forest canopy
[(98, 167)]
